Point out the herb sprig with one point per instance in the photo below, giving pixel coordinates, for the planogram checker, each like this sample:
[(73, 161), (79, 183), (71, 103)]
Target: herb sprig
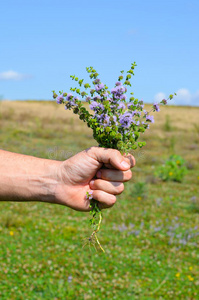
[(116, 122)]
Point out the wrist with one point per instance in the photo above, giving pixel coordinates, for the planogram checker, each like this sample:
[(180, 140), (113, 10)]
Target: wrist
[(27, 178), (42, 186)]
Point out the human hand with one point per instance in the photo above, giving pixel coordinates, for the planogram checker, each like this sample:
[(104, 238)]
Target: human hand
[(75, 177)]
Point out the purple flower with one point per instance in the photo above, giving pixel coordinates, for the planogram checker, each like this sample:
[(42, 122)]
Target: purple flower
[(97, 81), (93, 105), (156, 107), (130, 104), (72, 103), (137, 113), (118, 91), (89, 195), (103, 119), (118, 83), (71, 100), (140, 105), (123, 97), (99, 117), (69, 97), (113, 106), (99, 87), (88, 99), (96, 106), (164, 101), (70, 278), (115, 120), (113, 91), (106, 120), (60, 99), (150, 118), (105, 95), (126, 120), (97, 98), (133, 112), (121, 105), (122, 89), (145, 124), (101, 106)]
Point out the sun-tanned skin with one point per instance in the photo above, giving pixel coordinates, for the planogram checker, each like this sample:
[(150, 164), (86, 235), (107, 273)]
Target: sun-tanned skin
[(27, 178)]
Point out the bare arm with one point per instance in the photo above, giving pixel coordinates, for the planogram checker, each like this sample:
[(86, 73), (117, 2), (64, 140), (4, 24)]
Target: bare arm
[(27, 178)]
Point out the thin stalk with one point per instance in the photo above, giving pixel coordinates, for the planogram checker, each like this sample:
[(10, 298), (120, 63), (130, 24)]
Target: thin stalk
[(94, 233)]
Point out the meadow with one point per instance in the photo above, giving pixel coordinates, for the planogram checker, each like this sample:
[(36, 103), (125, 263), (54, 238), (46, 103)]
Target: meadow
[(150, 236)]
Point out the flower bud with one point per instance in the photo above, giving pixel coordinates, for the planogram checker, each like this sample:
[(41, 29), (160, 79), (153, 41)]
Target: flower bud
[(76, 110)]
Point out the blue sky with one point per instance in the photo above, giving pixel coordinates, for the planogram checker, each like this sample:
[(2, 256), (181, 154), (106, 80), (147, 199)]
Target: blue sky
[(43, 42)]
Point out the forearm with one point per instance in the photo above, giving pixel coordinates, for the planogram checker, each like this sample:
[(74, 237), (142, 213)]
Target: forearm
[(27, 178)]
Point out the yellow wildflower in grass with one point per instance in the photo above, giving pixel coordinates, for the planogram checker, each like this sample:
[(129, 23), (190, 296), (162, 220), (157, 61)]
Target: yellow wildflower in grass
[(190, 278), (11, 233), (139, 198), (170, 173), (177, 162), (177, 275), (190, 268)]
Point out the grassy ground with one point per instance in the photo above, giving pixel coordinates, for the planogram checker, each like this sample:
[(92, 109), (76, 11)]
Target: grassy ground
[(151, 235)]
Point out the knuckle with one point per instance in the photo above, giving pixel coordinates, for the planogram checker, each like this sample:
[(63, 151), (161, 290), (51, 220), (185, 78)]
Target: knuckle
[(93, 148), (115, 151), (91, 151)]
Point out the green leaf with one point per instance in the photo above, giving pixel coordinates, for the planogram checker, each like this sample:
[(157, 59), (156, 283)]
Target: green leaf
[(87, 85), (107, 129), (141, 129), (134, 147)]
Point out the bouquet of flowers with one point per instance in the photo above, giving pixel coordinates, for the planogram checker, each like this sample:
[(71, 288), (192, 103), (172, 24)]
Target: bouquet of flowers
[(116, 122)]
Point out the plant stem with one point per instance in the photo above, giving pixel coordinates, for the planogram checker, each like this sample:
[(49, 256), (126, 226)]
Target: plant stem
[(94, 233)]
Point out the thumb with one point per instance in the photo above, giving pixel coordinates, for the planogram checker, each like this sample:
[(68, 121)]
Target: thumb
[(112, 157)]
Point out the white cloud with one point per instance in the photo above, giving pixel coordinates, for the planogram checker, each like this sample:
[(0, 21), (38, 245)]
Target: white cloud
[(159, 96), (12, 75), (184, 97)]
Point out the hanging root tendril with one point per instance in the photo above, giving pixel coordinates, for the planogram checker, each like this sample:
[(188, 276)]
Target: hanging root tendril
[(94, 233), (95, 221)]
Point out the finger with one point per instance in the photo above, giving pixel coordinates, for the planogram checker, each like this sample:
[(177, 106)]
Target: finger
[(103, 205), (106, 200), (114, 175), (130, 159), (114, 188), (108, 166), (112, 157)]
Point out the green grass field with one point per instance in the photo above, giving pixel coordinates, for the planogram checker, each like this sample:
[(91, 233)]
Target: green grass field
[(151, 235)]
